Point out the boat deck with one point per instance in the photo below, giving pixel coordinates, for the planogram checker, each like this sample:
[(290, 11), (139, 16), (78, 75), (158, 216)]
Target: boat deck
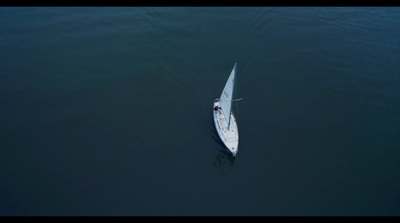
[(230, 137)]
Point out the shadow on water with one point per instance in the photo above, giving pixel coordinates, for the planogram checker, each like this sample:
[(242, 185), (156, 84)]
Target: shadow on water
[(224, 157)]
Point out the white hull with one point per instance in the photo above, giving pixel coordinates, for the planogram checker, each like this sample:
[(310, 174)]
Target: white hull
[(230, 137)]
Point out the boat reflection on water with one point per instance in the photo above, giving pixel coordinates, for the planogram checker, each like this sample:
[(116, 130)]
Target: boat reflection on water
[(223, 156)]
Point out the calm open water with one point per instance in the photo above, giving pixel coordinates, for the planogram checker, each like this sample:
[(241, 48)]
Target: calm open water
[(108, 111)]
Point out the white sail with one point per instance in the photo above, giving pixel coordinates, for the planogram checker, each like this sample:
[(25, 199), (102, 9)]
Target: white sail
[(227, 95)]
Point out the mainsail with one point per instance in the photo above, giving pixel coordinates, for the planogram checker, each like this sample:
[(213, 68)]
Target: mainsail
[(227, 95)]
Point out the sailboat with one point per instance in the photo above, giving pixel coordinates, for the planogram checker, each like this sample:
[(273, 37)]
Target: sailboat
[(224, 120)]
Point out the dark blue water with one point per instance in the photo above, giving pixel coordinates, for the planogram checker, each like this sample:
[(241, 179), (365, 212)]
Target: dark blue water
[(108, 111)]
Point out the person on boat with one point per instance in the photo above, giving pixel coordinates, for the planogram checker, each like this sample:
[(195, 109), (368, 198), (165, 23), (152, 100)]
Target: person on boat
[(216, 108)]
